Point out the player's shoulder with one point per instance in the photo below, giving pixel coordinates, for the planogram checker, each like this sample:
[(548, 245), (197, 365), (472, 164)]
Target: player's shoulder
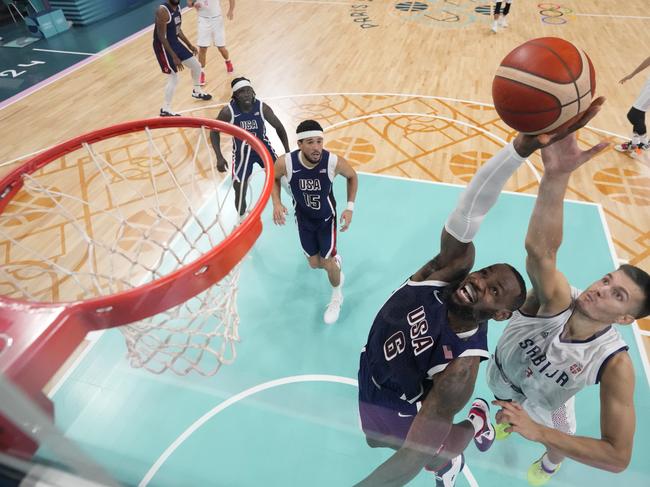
[(414, 282)]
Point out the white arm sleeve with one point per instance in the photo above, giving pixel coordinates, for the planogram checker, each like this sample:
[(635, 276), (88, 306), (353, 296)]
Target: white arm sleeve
[(481, 194)]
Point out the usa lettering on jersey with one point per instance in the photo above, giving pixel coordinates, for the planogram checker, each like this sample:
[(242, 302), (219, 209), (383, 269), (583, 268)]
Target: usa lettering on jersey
[(418, 327), (248, 125), (309, 184), (543, 366)]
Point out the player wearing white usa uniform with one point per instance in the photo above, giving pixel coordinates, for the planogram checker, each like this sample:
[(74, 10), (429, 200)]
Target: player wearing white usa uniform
[(427, 340), (211, 30), (636, 115), (562, 340), (310, 172)]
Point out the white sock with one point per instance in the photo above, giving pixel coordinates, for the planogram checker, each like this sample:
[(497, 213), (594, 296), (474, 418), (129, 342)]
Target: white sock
[(548, 465), (635, 138), (643, 139), (172, 81)]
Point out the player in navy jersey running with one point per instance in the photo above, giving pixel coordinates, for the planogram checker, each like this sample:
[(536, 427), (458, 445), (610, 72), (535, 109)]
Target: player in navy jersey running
[(420, 363), (174, 52), (310, 173), (250, 114)]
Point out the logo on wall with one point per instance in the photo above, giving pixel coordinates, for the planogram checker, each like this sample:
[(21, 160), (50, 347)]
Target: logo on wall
[(554, 14)]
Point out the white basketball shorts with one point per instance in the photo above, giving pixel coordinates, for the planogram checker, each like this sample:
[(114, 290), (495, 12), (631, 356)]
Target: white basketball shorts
[(643, 101), (562, 419), (211, 32)]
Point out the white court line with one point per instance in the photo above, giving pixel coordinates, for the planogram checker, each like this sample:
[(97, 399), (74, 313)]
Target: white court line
[(613, 16), (437, 117), (243, 395), (458, 185), (65, 52), (644, 333), (635, 327)]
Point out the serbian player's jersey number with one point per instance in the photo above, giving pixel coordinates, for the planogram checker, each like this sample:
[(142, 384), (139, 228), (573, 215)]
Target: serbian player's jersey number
[(418, 327)]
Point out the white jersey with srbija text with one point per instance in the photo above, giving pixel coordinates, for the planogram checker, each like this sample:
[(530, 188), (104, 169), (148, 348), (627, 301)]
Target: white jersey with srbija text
[(544, 368)]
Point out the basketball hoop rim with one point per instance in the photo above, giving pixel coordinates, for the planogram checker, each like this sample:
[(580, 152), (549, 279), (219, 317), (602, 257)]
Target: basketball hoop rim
[(176, 287)]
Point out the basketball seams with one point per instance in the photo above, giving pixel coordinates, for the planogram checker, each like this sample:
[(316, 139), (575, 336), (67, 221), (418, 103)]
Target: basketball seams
[(542, 84), (566, 66)]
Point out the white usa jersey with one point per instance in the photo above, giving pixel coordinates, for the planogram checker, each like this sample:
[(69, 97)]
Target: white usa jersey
[(209, 8), (547, 370)]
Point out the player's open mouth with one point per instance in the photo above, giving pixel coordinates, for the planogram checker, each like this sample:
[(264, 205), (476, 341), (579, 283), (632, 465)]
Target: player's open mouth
[(467, 293)]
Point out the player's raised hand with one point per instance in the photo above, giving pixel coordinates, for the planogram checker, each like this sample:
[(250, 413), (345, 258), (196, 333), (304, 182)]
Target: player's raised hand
[(279, 214), (564, 156), (346, 219), (627, 78), (526, 144)]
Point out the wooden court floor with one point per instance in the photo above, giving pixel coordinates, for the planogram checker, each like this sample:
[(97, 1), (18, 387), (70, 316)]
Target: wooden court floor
[(403, 89)]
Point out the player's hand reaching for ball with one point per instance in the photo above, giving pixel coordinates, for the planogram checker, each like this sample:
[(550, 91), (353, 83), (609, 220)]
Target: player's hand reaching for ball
[(346, 219), (564, 156), (525, 144), (279, 214)]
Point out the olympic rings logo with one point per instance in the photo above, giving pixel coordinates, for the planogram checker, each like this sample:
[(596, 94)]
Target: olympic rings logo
[(553, 14)]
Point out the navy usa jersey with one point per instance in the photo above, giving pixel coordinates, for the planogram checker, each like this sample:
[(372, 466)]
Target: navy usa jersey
[(252, 122), (312, 188), (411, 340)]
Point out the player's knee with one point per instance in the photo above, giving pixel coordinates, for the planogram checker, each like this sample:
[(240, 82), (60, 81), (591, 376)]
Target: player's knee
[(314, 261)]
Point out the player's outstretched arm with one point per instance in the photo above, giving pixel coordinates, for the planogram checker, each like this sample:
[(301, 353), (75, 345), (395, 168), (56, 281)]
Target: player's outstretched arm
[(270, 117), (451, 390), (612, 452), (279, 210), (344, 168), (215, 139), (544, 235), (231, 12), (644, 64)]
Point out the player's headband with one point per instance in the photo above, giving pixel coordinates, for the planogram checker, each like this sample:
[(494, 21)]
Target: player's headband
[(309, 133), (241, 84)]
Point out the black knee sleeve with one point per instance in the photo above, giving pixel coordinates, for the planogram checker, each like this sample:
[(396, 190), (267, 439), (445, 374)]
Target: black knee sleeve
[(497, 8), (637, 119), (507, 9)]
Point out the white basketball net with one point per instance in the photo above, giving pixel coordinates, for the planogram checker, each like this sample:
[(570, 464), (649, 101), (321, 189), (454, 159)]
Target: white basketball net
[(117, 214)]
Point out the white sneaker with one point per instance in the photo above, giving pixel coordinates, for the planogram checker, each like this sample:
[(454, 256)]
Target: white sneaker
[(334, 307), (495, 26), (448, 475), (503, 22)]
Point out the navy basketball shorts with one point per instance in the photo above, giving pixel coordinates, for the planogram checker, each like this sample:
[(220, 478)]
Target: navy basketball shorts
[(165, 60), (317, 236), (242, 170), (384, 416)]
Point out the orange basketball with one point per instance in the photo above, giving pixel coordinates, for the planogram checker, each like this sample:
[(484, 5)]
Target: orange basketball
[(543, 84)]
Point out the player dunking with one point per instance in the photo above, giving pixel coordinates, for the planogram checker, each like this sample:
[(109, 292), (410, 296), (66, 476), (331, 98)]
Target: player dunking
[(212, 31), (250, 114), (421, 360), (310, 173), (174, 51), (562, 340)]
